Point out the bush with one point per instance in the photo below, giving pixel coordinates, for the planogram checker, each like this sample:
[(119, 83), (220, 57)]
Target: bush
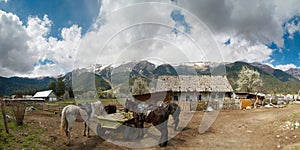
[(18, 109)]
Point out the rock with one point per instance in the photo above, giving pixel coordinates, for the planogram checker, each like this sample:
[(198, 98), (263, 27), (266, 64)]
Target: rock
[(24, 134), (209, 108), (31, 108), (53, 138), (278, 136)]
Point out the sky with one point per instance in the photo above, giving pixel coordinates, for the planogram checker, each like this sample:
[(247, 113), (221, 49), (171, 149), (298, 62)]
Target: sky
[(49, 38)]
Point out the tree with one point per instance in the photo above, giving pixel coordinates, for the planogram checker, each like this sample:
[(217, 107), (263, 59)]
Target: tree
[(249, 80), (60, 90), (71, 93), (52, 86), (140, 86), (58, 87)]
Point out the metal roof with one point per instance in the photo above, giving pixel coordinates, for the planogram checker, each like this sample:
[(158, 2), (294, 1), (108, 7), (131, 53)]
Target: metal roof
[(42, 94)]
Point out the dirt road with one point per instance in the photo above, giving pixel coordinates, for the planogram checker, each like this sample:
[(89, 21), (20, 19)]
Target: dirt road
[(236, 129)]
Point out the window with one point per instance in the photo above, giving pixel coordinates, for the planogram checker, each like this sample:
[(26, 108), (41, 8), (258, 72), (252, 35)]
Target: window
[(199, 97), (175, 98)]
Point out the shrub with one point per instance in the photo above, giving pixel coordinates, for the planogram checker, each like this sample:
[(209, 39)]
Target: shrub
[(18, 109)]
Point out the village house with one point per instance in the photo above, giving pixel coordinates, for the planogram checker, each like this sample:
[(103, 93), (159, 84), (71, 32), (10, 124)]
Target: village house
[(45, 95), (195, 88), (188, 89)]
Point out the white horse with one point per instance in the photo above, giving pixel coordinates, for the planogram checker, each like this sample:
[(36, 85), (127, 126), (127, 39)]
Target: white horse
[(82, 113)]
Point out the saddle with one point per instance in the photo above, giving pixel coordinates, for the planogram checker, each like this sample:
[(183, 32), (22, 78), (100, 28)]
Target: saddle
[(146, 108)]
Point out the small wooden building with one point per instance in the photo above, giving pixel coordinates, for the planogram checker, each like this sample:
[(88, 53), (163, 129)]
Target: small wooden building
[(191, 89), (46, 95), (195, 88)]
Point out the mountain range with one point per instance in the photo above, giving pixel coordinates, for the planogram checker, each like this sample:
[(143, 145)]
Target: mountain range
[(104, 77)]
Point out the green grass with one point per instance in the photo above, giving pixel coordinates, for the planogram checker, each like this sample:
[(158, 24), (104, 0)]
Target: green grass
[(20, 136)]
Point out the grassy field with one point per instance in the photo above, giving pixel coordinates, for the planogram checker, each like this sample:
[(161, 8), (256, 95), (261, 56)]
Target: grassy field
[(20, 136), (28, 135)]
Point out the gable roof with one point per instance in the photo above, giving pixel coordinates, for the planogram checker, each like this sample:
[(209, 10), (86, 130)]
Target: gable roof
[(42, 94), (185, 83)]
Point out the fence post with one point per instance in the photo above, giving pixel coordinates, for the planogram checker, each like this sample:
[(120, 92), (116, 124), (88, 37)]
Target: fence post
[(3, 107)]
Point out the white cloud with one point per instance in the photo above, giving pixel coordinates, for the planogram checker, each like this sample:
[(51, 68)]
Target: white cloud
[(292, 28), (23, 46), (285, 67), (5, 1), (15, 52), (249, 29), (129, 35)]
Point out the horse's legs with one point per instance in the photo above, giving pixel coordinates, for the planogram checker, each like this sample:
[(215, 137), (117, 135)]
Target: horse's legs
[(67, 131), (88, 132), (84, 134), (163, 128), (176, 121), (140, 130)]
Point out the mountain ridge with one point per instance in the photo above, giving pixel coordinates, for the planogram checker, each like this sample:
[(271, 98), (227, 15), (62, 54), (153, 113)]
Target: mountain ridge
[(107, 76)]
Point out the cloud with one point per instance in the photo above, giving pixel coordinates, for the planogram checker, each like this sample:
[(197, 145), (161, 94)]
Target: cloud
[(293, 27), (5, 1), (250, 30), (132, 29), (285, 67), (26, 49), (15, 52)]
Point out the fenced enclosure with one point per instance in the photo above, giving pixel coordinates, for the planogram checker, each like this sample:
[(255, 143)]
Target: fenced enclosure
[(231, 104)]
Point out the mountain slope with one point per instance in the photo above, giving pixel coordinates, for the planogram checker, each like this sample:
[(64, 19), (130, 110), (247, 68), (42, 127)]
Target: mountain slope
[(276, 82), (18, 84), (294, 72)]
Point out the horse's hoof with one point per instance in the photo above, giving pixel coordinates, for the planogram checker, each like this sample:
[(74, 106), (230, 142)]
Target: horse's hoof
[(163, 144), (89, 136), (84, 135)]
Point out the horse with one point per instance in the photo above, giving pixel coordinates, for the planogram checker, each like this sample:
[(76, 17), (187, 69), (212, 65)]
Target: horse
[(157, 115), (110, 109), (174, 110), (81, 113)]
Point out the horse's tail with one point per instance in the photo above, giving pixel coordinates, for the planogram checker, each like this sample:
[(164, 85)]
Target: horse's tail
[(175, 116), (63, 120)]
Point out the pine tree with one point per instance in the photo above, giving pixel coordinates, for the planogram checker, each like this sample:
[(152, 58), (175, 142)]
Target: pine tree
[(58, 87)]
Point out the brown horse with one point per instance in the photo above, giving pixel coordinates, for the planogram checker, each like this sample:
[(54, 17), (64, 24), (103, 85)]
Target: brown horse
[(157, 115)]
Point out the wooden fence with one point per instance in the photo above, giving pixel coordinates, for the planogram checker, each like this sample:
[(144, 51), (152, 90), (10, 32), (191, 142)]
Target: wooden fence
[(203, 105)]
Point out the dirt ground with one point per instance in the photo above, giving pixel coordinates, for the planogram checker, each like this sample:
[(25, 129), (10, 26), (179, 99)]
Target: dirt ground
[(233, 129)]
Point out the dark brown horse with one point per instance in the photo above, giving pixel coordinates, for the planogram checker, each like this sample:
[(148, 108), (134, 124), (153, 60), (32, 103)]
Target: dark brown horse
[(157, 115)]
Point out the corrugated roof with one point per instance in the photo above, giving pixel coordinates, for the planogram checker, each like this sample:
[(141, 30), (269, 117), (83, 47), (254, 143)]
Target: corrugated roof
[(186, 83), (42, 94)]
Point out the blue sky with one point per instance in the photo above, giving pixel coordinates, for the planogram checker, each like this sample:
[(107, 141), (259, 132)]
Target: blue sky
[(63, 13), (43, 36)]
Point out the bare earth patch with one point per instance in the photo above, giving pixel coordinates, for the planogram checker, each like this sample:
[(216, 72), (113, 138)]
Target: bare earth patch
[(235, 129)]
